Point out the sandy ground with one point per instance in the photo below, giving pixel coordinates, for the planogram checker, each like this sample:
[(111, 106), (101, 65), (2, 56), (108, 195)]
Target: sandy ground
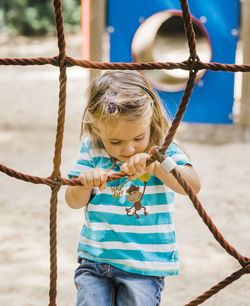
[(29, 98)]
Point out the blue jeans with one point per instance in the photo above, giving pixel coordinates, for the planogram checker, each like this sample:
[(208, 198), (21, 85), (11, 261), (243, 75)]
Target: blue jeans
[(100, 284)]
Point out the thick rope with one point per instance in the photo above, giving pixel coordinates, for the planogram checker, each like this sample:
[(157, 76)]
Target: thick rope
[(71, 62), (207, 220), (58, 150), (53, 245), (193, 64), (215, 289)]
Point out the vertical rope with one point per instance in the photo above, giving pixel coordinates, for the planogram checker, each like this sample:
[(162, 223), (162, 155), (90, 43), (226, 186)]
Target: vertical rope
[(58, 150), (53, 245), (62, 90)]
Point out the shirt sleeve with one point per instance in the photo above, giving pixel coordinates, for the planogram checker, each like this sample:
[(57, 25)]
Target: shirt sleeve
[(178, 155), (83, 161)]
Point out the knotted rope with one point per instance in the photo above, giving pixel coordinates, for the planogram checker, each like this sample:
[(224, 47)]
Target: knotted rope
[(55, 181)]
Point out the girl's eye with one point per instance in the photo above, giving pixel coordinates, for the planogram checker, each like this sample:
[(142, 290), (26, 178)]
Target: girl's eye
[(139, 138), (115, 142)]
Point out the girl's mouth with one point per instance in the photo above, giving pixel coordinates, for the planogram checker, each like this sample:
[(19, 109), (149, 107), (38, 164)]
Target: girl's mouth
[(127, 157)]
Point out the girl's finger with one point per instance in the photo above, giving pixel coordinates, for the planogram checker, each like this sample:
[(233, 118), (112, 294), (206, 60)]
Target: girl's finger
[(134, 177), (103, 177), (130, 169), (90, 179), (125, 168), (96, 179), (139, 164), (82, 179), (102, 187), (103, 180)]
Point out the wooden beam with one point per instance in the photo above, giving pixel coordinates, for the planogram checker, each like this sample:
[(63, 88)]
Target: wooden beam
[(93, 23), (245, 99), (97, 31)]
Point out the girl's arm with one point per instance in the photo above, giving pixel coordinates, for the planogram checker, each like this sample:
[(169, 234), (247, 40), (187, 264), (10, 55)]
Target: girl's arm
[(186, 171), (78, 196)]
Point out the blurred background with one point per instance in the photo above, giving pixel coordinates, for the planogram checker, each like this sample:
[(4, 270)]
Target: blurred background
[(214, 132), (36, 17)]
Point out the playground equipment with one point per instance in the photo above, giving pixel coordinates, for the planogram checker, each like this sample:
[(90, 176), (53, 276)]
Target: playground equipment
[(146, 31)]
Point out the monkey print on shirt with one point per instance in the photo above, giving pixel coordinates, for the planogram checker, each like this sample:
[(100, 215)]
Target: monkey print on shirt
[(135, 196)]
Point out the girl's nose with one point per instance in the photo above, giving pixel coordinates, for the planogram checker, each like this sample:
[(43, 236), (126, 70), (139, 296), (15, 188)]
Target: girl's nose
[(128, 149)]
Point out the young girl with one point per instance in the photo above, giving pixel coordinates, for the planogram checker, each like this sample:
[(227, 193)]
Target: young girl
[(127, 244)]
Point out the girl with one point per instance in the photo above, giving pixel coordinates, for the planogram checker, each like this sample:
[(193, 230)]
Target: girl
[(127, 244)]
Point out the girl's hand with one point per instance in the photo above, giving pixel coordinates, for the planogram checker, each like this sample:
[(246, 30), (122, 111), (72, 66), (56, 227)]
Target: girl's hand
[(96, 177), (136, 166)]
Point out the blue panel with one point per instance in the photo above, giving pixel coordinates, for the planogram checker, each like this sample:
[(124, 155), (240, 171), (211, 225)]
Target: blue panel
[(212, 102), (208, 104), (124, 16)]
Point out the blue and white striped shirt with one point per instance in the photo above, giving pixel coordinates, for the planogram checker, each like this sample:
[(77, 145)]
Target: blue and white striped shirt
[(129, 225)]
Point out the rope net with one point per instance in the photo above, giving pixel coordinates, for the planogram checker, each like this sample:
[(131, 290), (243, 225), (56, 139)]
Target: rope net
[(55, 181)]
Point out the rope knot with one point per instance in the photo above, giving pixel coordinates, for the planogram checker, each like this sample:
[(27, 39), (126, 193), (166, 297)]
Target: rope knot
[(192, 62), (157, 154), (247, 265)]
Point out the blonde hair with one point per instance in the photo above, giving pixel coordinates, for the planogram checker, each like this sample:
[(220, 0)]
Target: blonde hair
[(126, 95)]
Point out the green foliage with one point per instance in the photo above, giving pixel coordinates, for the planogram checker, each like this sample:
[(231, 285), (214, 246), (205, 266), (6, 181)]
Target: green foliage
[(36, 17)]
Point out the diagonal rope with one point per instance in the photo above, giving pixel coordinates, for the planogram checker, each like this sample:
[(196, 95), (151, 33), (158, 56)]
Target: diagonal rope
[(215, 289), (207, 220)]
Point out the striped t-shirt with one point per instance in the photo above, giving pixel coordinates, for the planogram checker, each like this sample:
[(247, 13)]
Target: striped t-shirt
[(129, 224)]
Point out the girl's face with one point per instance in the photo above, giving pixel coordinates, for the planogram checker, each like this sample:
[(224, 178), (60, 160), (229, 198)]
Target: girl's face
[(125, 139)]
